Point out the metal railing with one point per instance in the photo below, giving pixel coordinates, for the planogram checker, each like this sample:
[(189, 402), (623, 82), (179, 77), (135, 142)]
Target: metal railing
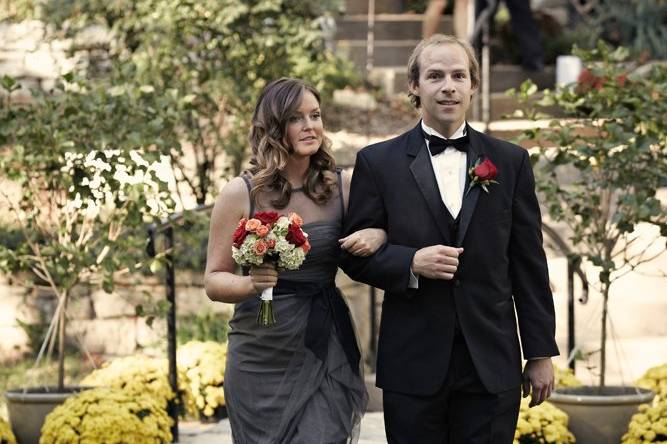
[(166, 229)]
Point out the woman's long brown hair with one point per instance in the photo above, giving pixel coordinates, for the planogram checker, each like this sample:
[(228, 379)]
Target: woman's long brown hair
[(279, 101)]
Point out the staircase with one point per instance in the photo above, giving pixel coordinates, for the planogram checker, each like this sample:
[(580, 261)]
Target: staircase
[(396, 34)]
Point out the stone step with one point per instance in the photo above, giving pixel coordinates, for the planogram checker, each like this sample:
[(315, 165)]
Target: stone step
[(386, 27), (346, 145), (381, 6), (393, 79), (386, 53)]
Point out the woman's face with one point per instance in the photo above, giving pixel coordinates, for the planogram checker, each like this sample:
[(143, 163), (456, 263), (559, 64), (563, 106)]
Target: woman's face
[(305, 128)]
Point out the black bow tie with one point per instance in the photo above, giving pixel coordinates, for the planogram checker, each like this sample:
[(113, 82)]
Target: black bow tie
[(437, 145)]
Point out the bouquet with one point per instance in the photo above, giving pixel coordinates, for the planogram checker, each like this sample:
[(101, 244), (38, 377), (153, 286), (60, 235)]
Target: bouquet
[(266, 237)]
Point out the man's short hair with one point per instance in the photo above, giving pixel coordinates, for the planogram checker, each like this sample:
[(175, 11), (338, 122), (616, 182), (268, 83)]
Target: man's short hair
[(435, 40)]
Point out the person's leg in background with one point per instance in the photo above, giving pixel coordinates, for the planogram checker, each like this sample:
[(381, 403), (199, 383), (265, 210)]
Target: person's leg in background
[(527, 34), (436, 9), (461, 19)]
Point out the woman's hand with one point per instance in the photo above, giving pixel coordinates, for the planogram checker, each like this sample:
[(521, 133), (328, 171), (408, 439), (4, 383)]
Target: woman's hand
[(364, 242), (263, 276)]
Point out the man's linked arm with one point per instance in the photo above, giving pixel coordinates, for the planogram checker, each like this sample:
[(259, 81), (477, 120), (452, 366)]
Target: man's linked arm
[(389, 267), (528, 270)]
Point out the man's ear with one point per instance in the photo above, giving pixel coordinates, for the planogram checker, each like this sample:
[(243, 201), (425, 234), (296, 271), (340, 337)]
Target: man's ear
[(474, 90), (413, 88)]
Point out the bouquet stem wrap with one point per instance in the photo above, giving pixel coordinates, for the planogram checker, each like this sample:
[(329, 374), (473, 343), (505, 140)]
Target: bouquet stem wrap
[(265, 316)]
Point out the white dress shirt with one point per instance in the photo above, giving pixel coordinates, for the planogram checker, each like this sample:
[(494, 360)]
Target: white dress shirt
[(450, 172)]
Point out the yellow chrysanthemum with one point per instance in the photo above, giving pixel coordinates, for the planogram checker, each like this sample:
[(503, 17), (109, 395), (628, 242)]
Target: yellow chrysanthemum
[(107, 415), (565, 378), (6, 435), (140, 375), (204, 365), (649, 425), (655, 379), (542, 424)]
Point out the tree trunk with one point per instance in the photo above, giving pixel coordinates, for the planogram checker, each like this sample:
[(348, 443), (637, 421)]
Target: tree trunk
[(61, 344), (603, 337)]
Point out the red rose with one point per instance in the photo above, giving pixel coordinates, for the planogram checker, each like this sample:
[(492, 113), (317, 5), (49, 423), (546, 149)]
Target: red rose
[(295, 235), (239, 235), (486, 170), (267, 217), (621, 80), (586, 77), (587, 80)]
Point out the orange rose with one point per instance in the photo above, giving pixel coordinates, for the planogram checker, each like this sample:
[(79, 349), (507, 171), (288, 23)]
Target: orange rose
[(271, 243), (295, 219), (306, 247), (260, 248), (262, 230), (252, 225)]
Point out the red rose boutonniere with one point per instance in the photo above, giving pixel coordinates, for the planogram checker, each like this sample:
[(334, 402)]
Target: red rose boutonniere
[(482, 173)]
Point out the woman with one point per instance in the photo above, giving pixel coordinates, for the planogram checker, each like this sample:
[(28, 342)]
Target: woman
[(299, 381)]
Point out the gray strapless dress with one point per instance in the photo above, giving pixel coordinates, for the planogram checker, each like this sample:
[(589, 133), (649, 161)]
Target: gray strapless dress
[(299, 381)]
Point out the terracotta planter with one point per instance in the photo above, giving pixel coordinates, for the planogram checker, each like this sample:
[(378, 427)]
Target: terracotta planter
[(27, 409), (600, 416)]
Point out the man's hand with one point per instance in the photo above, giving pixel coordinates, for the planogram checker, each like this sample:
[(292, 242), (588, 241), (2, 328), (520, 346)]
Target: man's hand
[(538, 380), (436, 262), (364, 242)]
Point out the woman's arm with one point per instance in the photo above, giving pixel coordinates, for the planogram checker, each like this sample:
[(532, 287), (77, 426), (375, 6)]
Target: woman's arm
[(362, 242), (220, 282)]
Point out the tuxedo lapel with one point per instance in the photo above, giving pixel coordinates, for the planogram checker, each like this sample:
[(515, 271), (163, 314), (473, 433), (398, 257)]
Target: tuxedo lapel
[(475, 152), (422, 171)]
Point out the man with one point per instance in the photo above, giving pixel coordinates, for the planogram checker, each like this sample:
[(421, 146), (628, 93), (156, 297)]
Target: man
[(463, 250)]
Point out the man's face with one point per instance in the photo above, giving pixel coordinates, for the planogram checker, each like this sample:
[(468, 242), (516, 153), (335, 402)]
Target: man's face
[(445, 87)]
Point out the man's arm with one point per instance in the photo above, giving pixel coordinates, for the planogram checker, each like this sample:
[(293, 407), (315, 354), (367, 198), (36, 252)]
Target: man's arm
[(528, 270), (389, 267)]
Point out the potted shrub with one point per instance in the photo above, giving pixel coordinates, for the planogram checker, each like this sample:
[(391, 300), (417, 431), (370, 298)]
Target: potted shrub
[(598, 171), (81, 174)]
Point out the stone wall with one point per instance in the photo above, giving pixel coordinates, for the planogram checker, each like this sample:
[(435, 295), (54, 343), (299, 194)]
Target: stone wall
[(37, 61), (106, 324), (101, 323)]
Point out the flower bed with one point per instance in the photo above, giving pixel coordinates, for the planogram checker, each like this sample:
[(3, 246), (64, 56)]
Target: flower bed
[(140, 375), (204, 365), (6, 435), (655, 379), (106, 415), (649, 425), (542, 424)]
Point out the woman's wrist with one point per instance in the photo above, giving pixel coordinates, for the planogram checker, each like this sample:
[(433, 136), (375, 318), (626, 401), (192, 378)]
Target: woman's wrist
[(250, 289)]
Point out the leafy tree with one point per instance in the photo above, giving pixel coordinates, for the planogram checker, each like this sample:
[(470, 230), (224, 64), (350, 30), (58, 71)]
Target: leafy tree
[(82, 172), (217, 54), (598, 169)]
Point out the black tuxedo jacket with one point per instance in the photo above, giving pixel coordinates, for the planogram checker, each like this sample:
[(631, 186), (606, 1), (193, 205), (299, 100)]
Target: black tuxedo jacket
[(502, 268)]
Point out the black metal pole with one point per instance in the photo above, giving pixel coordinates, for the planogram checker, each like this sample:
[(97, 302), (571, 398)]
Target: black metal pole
[(372, 346), (171, 328), (570, 311)]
